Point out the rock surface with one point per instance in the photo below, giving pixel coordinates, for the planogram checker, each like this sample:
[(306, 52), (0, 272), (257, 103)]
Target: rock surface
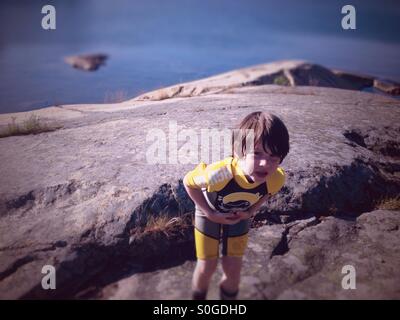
[(286, 73), (309, 268), (387, 86), (71, 198)]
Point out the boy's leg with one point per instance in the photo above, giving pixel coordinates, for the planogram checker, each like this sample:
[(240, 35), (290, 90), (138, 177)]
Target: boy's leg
[(234, 243), (206, 234), (201, 278), (229, 285)]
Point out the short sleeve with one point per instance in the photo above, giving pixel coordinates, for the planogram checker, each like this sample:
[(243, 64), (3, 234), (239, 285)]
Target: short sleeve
[(197, 178), (212, 177), (276, 181)]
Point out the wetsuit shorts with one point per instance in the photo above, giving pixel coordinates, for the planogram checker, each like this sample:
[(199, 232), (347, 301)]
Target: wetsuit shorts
[(208, 235)]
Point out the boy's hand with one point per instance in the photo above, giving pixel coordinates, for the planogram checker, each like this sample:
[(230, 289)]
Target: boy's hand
[(243, 215), (223, 218)]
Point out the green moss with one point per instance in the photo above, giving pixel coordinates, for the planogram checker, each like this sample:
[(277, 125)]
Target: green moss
[(281, 81)]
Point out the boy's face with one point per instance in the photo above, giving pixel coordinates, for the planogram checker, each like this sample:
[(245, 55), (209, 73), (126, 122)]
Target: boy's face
[(259, 163)]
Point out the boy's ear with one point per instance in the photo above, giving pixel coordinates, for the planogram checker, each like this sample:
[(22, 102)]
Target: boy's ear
[(234, 148), (237, 153), (238, 156)]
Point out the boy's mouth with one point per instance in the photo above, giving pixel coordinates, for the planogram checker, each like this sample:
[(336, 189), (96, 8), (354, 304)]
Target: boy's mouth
[(262, 174)]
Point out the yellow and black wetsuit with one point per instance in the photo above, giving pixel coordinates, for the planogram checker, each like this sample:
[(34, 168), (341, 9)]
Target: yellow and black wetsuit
[(226, 189)]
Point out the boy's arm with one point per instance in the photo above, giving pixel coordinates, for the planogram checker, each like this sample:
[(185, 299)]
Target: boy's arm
[(274, 185), (255, 207), (198, 198), (251, 212)]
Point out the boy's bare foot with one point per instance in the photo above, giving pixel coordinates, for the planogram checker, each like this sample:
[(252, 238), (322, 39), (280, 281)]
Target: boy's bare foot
[(199, 295), (225, 295)]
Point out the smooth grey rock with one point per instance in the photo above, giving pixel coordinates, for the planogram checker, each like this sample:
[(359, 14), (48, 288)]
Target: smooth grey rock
[(310, 268), (72, 197), (285, 73), (387, 86), (358, 81)]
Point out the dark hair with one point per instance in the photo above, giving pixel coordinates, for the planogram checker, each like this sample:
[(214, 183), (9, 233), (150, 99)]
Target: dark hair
[(268, 129)]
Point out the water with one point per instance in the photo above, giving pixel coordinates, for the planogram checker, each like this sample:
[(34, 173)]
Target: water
[(154, 44)]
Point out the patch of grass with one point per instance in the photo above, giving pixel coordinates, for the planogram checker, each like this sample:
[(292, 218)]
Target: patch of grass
[(13, 128), (388, 203), (162, 225), (332, 210), (33, 125), (158, 223), (281, 81)]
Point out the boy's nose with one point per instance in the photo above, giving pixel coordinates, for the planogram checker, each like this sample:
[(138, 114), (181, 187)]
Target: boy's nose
[(263, 163)]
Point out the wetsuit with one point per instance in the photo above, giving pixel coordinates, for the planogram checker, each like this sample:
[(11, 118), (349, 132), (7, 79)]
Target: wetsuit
[(226, 189)]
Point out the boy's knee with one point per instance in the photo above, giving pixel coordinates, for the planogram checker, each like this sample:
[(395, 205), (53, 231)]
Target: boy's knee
[(232, 267), (207, 266), (232, 273)]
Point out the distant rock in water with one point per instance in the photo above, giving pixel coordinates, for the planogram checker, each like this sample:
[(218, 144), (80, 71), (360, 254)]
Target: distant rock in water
[(88, 62)]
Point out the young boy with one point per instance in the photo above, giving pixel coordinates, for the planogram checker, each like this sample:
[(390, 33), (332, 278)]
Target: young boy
[(228, 193)]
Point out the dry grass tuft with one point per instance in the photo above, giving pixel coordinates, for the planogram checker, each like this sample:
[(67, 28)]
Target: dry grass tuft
[(33, 125)]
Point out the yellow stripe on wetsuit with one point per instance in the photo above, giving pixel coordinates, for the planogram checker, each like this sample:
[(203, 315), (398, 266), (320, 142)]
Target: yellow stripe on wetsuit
[(208, 235)]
